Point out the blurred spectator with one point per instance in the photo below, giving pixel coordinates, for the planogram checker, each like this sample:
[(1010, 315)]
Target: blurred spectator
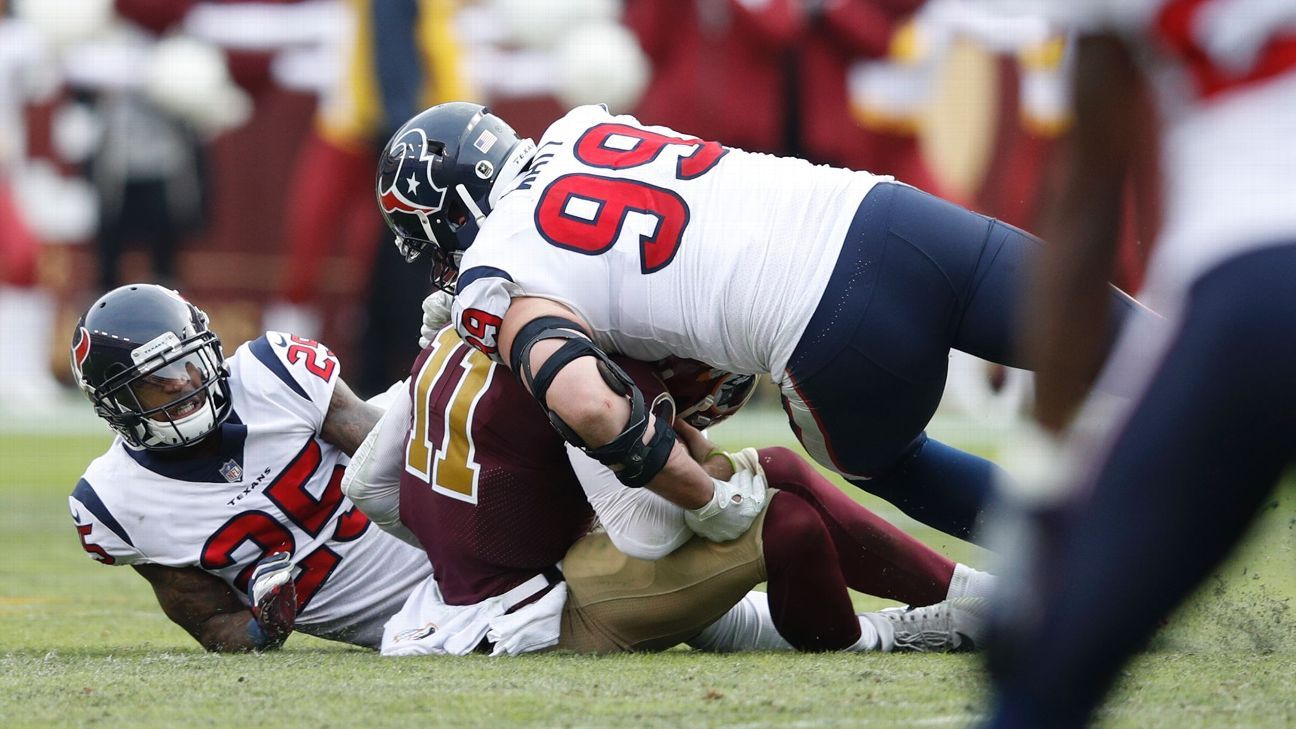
[(149, 174), (401, 56), (26, 309), (889, 97), (770, 76), (149, 103)]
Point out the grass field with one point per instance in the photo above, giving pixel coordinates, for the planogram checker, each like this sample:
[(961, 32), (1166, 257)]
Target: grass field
[(85, 645)]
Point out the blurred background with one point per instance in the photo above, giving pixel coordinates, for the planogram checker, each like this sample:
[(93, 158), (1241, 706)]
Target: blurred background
[(227, 148)]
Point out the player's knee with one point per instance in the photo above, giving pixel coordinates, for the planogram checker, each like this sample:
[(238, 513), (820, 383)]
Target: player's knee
[(783, 466), (794, 530)]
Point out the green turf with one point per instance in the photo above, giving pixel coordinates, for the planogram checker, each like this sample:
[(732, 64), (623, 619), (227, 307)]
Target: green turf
[(82, 644)]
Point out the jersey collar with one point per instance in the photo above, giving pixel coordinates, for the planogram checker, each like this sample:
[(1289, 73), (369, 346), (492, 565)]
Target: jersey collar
[(205, 469)]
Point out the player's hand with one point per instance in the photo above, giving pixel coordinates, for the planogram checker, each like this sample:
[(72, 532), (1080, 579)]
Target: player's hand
[(699, 446), (436, 314), (274, 596), (733, 507)]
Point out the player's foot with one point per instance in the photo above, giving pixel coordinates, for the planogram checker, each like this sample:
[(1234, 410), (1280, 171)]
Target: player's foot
[(946, 627)]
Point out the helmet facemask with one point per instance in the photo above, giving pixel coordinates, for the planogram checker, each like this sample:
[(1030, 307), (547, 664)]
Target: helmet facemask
[(176, 395)]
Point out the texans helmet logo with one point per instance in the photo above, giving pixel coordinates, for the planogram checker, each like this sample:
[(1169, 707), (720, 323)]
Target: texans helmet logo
[(80, 350), (413, 169)]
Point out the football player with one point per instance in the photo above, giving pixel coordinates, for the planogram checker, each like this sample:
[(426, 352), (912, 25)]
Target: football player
[(612, 236), (469, 467), (222, 487), (1168, 483)]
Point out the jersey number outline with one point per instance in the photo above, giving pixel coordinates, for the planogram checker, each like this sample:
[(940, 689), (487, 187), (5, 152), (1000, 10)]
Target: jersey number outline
[(311, 515), (94, 550), (451, 469), (322, 365), (585, 213)]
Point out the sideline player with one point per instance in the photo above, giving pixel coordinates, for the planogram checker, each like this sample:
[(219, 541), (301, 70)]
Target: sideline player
[(847, 287), (224, 479), (469, 465), (1170, 482)]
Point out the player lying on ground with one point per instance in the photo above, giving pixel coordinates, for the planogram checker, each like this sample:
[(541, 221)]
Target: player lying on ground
[(476, 473), (614, 236), (222, 487)]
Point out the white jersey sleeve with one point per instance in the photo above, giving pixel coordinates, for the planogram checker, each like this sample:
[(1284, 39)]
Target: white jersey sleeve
[(483, 296), (304, 366), (640, 523), (102, 536)]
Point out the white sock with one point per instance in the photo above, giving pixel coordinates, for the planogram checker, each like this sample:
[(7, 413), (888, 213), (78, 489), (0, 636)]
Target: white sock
[(968, 582), (747, 626), (876, 634)]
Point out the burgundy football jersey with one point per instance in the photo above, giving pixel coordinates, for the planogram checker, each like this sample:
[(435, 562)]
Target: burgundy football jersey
[(487, 486)]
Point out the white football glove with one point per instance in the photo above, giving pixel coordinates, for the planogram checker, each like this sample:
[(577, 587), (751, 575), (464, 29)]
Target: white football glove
[(274, 596), (436, 314), (734, 505)]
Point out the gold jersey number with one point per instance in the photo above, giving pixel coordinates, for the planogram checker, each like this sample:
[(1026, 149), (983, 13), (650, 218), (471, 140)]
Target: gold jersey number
[(448, 467)]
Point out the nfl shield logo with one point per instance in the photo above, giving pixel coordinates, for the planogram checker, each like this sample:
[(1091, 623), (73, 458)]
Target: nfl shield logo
[(232, 471)]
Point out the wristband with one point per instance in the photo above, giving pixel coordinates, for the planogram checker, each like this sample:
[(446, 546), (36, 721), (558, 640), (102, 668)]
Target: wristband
[(717, 452), (257, 634)]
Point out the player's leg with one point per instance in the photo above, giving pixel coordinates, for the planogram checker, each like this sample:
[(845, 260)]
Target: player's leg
[(876, 557), (808, 599), (940, 486), (1182, 477), (870, 430), (870, 368), (617, 602), (983, 263)]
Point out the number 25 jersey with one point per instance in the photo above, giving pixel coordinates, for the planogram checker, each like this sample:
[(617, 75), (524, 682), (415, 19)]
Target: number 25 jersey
[(273, 485), (665, 244)]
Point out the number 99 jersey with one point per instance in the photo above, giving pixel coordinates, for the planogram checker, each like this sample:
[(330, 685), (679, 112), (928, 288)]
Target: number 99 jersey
[(665, 244), (272, 485)]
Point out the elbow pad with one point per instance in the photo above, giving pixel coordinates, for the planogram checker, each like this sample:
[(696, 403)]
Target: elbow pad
[(635, 462)]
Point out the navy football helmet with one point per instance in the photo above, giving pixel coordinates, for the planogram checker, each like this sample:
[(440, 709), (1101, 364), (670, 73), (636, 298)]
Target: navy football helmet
[(435, 180), (151, 367)]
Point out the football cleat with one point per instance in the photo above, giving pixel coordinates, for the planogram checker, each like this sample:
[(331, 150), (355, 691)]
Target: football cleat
[(955, 625)]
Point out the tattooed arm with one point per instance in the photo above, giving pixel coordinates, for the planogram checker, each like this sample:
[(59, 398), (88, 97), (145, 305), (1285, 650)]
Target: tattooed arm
[(349, 419), (206, 607)]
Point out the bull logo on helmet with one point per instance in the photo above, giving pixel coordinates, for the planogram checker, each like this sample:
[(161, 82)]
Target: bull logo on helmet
[(408, 167)]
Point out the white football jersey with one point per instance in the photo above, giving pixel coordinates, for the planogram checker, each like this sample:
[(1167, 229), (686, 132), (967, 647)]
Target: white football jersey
[(663, 243), (1225, 76), (274, 484)]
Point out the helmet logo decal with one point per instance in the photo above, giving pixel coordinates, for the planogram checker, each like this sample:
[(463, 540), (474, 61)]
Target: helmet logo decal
[(485, 169), (485, 141), (413, 169), (80, 350)]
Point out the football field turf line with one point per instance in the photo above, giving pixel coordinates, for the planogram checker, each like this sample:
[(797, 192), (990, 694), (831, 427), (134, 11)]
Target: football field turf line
[(83, 644)]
